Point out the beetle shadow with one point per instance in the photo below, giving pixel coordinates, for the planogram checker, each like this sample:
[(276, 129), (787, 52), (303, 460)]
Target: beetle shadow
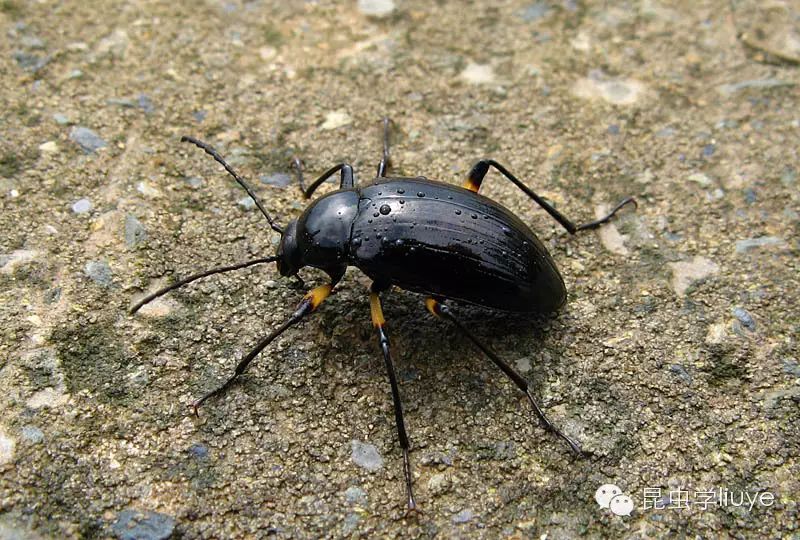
[(423, 339)]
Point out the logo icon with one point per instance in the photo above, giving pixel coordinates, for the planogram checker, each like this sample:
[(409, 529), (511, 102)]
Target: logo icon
[(611, 497)]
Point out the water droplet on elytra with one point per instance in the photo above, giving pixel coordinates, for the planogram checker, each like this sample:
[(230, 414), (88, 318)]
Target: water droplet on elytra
[(375, 214), (401, 191), (474, 216), (458, 212), (420, 194), (385, 209)]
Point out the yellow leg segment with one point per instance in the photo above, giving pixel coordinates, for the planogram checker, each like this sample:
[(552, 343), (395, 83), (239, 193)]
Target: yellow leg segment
[(375, 310), (318, 295)]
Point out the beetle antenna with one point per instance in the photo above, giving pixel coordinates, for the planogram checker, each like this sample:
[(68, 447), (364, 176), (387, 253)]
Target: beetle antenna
[(218, 158), (194, 277)]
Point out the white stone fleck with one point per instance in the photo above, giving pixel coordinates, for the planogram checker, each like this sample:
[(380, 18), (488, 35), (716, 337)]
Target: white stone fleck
[(10, 261), (614, 91), (478, 74), (7, 446), (523, 364), (49, 147), (336, 119), (609, 235), (750, 244), (82, 206), (147, 190), (376, 8), (160, 307), (685, 273), (49, 397), (366, 455), (700, 179)]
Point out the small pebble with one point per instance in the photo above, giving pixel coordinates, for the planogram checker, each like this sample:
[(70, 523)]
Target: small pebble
[(198, 450), (534, 12), (29, 61), (351, 522), (194, 182), (791, 366), (376, 8), (276, 179), (336, 119), (464, 516), (355, 495), (758, 84), (135, 233), (82, 206), (11, 260), (686, 273), (145, 103), (61, 119), (87, 139), (615, 91), (114, 44), (788, 176), (32, 434), (680, 372), (31, 42), (751, 244), (147, 190), (146, 525), (745, 318), (523, 364), (99, 272), (246, 203), (366, 455)]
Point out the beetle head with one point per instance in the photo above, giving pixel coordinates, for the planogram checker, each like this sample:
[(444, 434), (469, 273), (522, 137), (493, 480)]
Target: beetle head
[(290, 259)]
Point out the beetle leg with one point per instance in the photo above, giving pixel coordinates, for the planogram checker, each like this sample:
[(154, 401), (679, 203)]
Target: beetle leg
[(378, 322), (383, 167), (310, 302), (440, 310), (478, 172), (347, 179), (194, 277)]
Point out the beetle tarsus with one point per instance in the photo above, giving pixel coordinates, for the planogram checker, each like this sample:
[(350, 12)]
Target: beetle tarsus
[(548, 425), (598, 222), (378, 322), (309, 303), (479, 170)]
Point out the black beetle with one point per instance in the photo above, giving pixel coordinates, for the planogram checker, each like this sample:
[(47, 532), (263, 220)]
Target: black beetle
[(437, 239)]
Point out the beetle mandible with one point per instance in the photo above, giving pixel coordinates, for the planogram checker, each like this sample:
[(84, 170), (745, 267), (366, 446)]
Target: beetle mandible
[(444, 241)]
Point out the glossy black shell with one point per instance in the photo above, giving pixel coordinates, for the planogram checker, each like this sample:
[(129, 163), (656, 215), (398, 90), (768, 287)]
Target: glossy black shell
[(432, 238)]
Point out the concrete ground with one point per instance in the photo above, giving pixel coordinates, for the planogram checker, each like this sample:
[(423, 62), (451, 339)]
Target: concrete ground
[(674, 363)]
